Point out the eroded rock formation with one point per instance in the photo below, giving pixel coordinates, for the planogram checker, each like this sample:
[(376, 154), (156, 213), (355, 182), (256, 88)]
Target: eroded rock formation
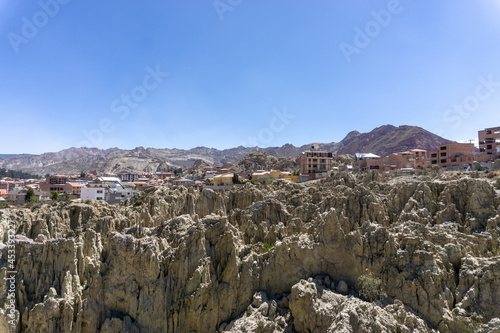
[(284, 258)]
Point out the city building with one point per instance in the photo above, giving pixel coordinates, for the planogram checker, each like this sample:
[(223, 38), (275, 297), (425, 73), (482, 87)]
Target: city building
[(184, 182), (128, 177), (163, 175), (117, 192), (108, 180), (93, 193), (414, 159), (315, 162), (489, 142), (57, 180), (73, 188), (456, 155), (223, 179), (260, 175)]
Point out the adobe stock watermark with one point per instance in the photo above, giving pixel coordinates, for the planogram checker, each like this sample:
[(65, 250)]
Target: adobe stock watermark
[(11, 277), (223, 6), (373, 28), (30, 26), (470, 104), (123, 105), (277, 124)]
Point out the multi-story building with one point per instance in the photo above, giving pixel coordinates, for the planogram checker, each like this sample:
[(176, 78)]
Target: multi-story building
[(413, 159), (57, 180), (163, 175), (74, 188), (315, 161), (94, 193), (128, 176), (489, 142), (225, 179), (453, 155)]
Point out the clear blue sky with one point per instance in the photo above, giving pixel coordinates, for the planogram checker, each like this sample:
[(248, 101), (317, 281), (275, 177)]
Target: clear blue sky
[(69, 68)]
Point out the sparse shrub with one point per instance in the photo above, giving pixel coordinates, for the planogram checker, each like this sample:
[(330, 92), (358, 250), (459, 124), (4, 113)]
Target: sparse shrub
[(88, 201), (138, 202), (435, 170), (496, 165), (268, 246), (371, 287)]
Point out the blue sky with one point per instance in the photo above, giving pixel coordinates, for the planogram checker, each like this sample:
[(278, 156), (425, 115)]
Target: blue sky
[(179, 74)]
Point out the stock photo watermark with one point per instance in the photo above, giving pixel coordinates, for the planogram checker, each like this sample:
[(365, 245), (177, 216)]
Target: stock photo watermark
[(123, 105), (11, 276), (31, 25), (461, 111), (277, 124), (364, 36), (223, 6)]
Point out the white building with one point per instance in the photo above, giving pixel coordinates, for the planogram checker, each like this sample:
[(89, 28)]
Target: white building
[(94, 193)]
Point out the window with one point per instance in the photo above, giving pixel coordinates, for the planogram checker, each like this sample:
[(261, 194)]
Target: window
[(443, 148), (443, 160), (443, 154)]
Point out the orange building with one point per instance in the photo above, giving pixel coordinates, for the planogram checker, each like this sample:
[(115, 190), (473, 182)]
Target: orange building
[(489, 142), (456, 155), (315, 161), (412, 159)]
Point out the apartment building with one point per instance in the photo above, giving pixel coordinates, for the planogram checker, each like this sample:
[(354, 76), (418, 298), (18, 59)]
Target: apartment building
[(128, 176), (315, 161), (453, 155), (94, 193), (489, 142), (57, 180)]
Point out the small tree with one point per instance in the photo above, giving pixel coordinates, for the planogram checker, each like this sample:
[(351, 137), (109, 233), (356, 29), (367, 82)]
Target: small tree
[(371, 287), (55, 196), (65, 196), (83, 175), (30, 196), (236, 179)]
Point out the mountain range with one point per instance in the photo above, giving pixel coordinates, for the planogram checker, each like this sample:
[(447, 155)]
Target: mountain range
[(382, 141)]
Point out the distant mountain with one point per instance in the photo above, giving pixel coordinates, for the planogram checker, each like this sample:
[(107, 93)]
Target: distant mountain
[(4, 156), (381, 141), (388, 139)]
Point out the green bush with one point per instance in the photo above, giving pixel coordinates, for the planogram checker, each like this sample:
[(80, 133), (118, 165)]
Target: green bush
[(371, 287), (268, 246)]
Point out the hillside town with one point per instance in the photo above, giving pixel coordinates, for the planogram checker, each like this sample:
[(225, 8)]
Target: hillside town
[(313, 164)]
